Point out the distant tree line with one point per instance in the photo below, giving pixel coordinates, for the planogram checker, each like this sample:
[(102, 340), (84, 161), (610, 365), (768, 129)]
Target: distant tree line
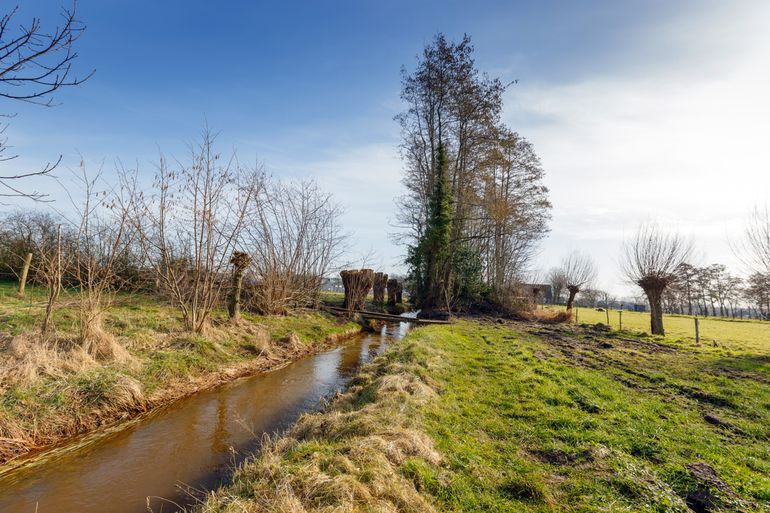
[(710, 290), (657, 261)]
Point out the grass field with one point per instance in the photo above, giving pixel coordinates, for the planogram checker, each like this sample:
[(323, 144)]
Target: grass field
[(748, 334), (527, 418), (51, 389)]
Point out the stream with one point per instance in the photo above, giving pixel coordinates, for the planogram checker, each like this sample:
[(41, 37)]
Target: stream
[(165, 459)]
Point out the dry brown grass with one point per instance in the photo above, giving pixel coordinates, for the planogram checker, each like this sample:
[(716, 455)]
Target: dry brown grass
[(25, 359), (346, 459), (550, 316), (102, 346)]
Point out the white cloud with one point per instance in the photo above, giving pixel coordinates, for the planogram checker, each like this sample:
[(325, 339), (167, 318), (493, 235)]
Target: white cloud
[(652, 142), (365, 180)]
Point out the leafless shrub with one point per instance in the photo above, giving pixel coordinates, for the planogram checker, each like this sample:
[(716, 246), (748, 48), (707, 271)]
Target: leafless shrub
[(293, 235), (103, 236), (189, 223), (21, 232), (651, 259), (52, 261)]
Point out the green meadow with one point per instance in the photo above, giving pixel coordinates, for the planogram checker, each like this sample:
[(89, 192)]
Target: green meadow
[(529, 418), (726, 331)]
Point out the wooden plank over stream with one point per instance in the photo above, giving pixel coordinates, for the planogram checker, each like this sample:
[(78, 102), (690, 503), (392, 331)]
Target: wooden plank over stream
[(383, 316)]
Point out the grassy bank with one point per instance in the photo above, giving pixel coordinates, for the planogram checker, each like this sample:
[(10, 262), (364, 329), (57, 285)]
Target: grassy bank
[(51, 389), (526, 418)]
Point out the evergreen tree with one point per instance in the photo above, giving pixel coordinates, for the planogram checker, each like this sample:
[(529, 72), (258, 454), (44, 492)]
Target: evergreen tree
[(430, 261)]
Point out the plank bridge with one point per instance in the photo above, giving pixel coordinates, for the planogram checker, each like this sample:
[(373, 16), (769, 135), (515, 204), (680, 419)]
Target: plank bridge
[(381, 316)]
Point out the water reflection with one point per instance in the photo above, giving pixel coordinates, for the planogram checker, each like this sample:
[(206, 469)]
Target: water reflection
[(195, 442)]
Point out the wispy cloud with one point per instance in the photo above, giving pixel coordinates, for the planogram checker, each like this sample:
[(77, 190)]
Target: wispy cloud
[(648, 141)]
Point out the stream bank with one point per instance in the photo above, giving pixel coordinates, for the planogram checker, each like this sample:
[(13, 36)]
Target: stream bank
[(189, 446)]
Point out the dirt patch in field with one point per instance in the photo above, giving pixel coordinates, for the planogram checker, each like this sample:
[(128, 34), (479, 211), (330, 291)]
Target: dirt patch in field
[(711, 493)]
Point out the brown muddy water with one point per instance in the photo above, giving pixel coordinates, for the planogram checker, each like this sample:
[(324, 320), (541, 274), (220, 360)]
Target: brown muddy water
[(163, 461)]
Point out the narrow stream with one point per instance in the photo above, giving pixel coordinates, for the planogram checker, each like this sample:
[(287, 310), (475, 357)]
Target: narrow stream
[(192, 445)]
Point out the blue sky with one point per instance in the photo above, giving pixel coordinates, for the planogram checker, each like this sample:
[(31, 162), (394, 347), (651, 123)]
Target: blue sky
[(639, 109)]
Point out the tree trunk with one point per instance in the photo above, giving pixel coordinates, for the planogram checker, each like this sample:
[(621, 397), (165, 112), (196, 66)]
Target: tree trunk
[(234, 306), (394, 292), (24, 273), (571, 299), (240, 262), (656, 310), (357, 284), (378, 288)]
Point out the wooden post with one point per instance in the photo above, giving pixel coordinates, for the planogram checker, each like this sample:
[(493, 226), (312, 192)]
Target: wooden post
[(607, 311), (24, 273), (697, 331), (620, 315), (576, 315)]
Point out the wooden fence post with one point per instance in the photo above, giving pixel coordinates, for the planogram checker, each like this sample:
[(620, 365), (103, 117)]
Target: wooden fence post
[(607, 311), (620, 314), (24, 272), (697, 331)]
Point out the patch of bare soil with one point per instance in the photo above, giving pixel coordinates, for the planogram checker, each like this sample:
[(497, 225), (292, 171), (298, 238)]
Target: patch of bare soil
[(713, 494)]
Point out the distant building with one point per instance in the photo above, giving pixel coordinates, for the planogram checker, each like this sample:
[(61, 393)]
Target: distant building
[(332, 285), (540, 292)]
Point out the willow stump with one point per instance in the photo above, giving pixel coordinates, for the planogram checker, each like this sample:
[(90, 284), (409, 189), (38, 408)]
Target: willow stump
[(378, 288), (357, 283), (240, 262), (395, 292)]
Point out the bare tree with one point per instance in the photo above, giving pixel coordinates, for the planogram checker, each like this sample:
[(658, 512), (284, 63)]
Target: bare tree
[(189, 224), (754, 249), (51, 264), (651, 259), (579, 272), (34, 63), (511, 210), (757, 293), (103, 238), (558, 282), (293, 235)]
